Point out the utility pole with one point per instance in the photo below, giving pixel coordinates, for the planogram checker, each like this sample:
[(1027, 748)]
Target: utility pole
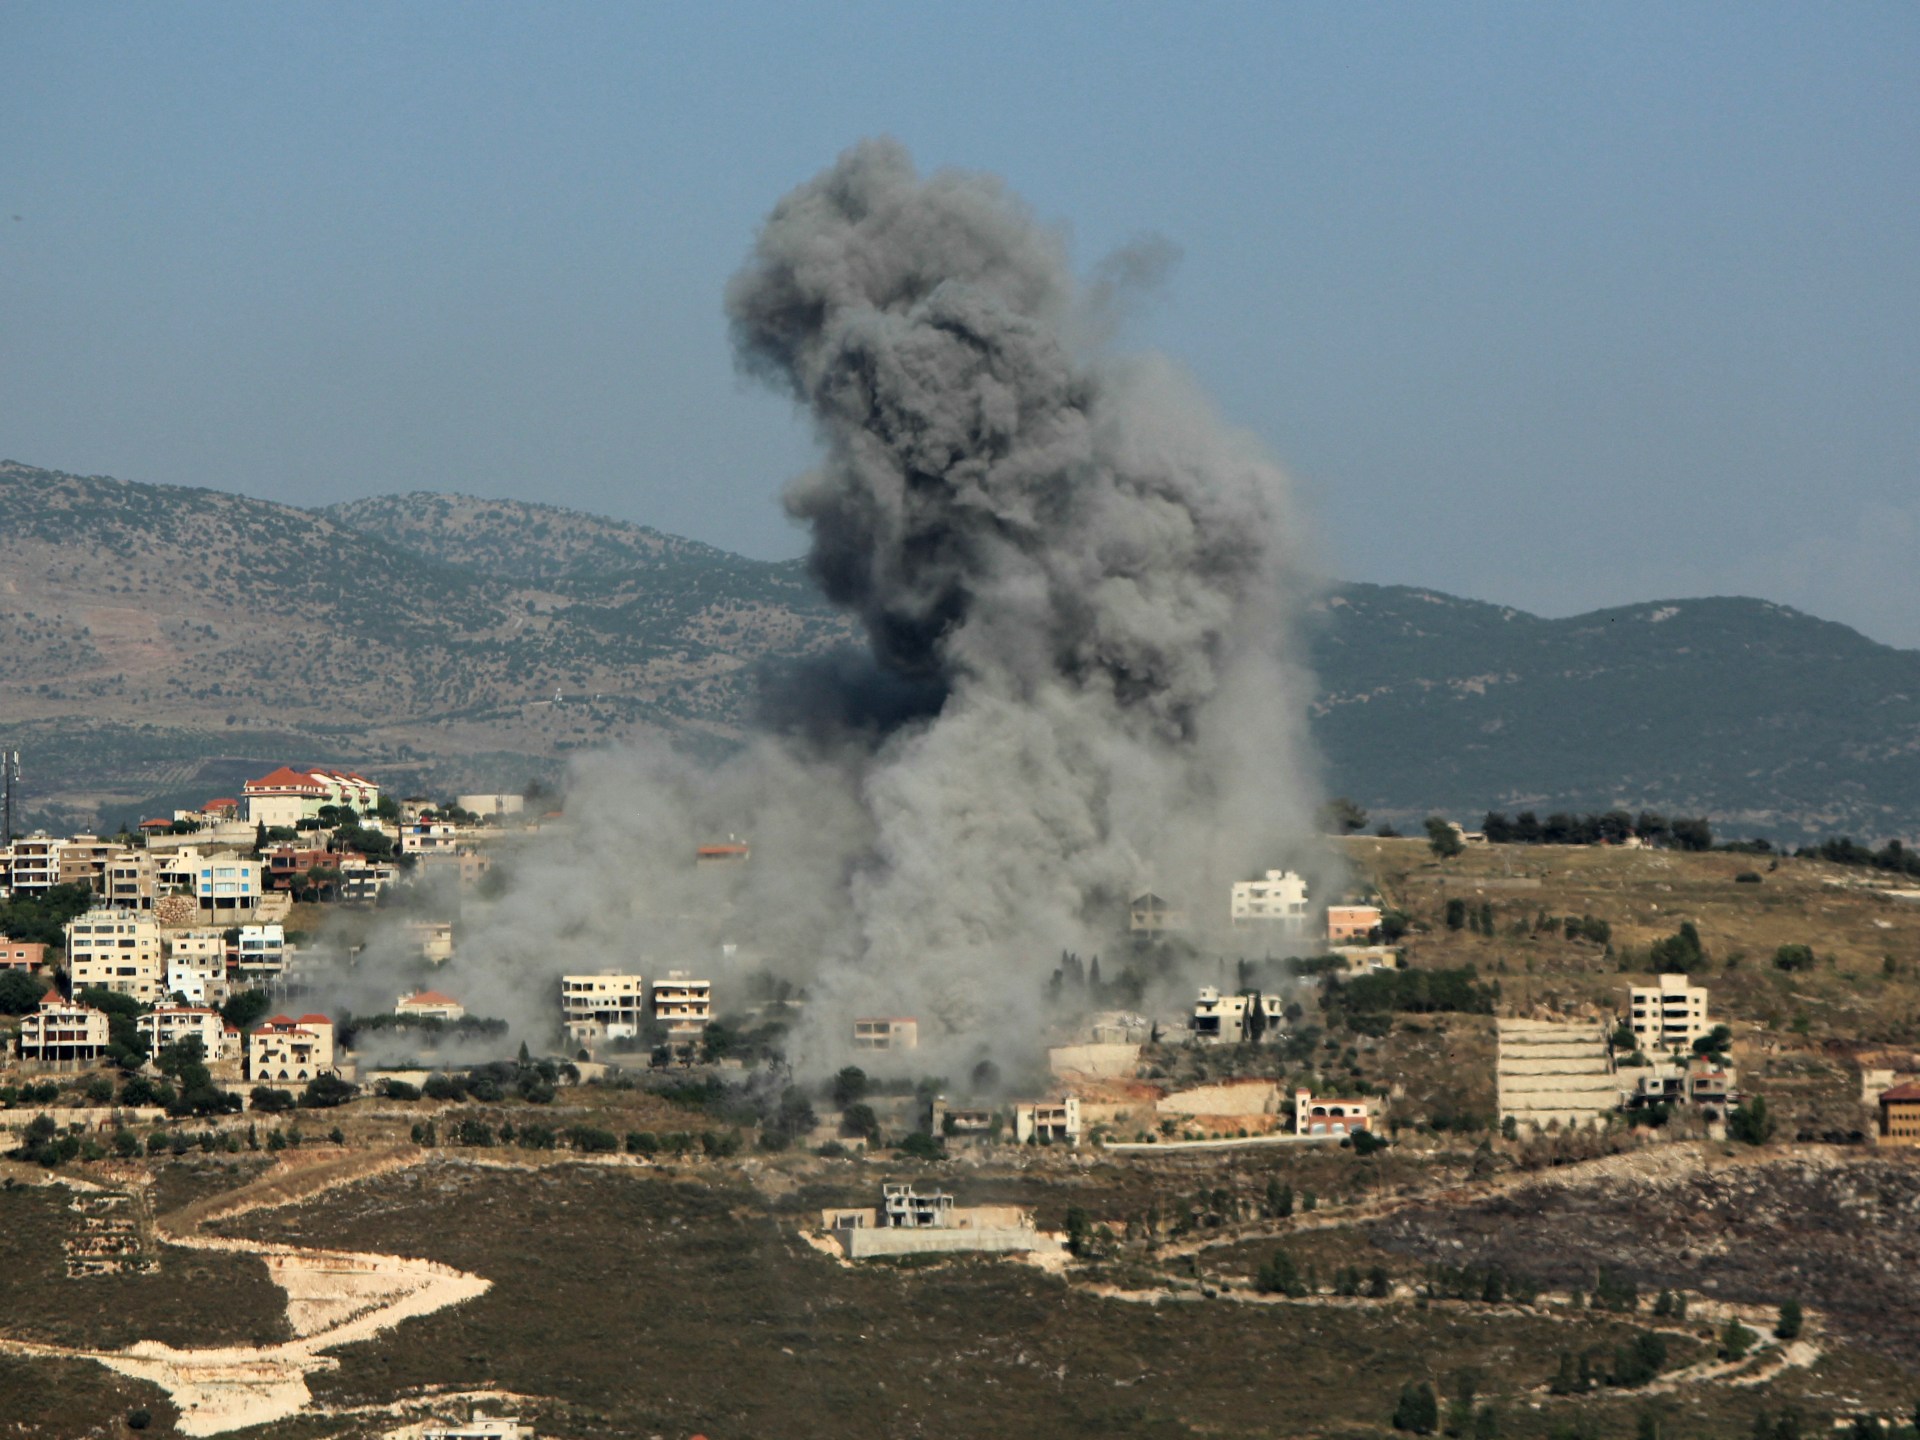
[(9, 777)]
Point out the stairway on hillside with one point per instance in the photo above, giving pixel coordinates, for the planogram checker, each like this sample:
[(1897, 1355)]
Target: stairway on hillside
[(1550, 1071)]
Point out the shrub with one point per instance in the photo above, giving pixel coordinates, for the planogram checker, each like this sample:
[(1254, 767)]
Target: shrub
[(1788, 1327), (271, 1102), (591, 1140), (399, 1090), (1747, 877), (922, 1146), (642, 1142), (1793, 957)]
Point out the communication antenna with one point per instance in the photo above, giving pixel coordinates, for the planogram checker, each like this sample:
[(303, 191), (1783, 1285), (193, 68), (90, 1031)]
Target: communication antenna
[(9, 777)]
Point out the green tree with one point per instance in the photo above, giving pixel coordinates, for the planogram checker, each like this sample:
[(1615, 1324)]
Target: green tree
[(1680, 953), (1788, 1327), (20, 993), (1735, 1341), (1418, 1412), (1442, 838), (859, 1120), (849, 1087), (1794, 957), (1750, 1123)]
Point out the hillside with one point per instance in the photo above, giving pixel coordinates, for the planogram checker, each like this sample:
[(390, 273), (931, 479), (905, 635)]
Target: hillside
[(166, 641), (1755, 714), (163, 639)]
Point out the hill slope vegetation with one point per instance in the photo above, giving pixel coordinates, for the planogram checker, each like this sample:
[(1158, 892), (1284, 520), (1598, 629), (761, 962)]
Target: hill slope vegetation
[(165, 641)]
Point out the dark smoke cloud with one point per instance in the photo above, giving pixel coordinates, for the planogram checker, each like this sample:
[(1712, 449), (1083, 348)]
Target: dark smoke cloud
[(1079, 591)]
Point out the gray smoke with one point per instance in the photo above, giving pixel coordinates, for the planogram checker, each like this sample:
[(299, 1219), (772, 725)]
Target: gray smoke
[(1097, 575), (1079, 591)]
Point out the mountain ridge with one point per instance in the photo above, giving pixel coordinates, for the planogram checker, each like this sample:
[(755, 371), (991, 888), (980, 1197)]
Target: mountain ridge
[(161, 629)]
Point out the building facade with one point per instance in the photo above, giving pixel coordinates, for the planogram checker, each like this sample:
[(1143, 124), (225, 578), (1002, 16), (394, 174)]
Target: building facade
[(117, 950), (597, 1008), (1670, 1015), (683, 1004), (284, 1049), (896, 1032), (1326, 1116), (1277, 900), (1048, 1122), (1351, 924), (61, 1033), (166, 1025)]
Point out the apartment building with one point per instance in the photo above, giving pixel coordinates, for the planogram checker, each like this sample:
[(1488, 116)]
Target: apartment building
[(1149, 914), (597, 1008), (33, 863), (131, 881), (683, 1005), (896, 1032), (226, 885), (288, 1049), (1323, 1115), (432, 938), (197, 982), (1669, 1015), (166, 1025), (83, 861), (117, 950), (429, 837), (492, 804), (1278, 900), (261, 953), (64, 1034)]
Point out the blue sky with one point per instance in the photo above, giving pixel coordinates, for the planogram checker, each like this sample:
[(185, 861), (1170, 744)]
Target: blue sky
[(1551, 305)]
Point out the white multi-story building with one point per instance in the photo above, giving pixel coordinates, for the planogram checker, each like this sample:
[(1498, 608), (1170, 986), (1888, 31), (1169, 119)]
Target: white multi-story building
[(1054, 1122), (484, 805), (893, 1032), (227, 883), (288, 1049), (59, 1033), (601, 1007), (429, 837), (1228, 1019), (903, 1207), (1278, 899), (262, 952), (166, 1025), (197, 982), (1670, 1015), (682, 1004), (117, 950), (33, 863)]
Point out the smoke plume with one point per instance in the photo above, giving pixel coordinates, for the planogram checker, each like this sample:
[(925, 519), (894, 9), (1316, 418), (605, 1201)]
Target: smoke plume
[(1079, 592)]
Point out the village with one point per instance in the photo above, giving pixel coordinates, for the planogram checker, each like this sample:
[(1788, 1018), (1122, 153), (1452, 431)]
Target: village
[(174, 990), (173, 1015)]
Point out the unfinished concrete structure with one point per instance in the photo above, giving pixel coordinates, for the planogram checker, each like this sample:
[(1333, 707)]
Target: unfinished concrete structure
[(909, 1223), (1048, 1122), (886, 1032), (1552, 1072), (607, 1006)]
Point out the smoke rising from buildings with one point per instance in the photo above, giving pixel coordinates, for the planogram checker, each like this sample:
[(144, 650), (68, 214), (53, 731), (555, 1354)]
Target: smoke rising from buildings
[(1080, 594)]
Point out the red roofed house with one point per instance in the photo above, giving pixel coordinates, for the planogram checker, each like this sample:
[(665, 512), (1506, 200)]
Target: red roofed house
[(222, 809), (1322, 1116), (288, 795), (286, 1049), (430, 1005), (1900, 1116), (63, 1034)]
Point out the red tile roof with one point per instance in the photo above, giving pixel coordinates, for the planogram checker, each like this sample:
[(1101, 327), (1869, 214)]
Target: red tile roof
[(285, 778), (315, 1020), (156, 824), (429, 997), (1908, 1091)]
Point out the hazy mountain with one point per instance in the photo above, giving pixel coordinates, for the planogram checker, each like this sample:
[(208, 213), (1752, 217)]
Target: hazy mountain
[(163, 642), (1752, 713)]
